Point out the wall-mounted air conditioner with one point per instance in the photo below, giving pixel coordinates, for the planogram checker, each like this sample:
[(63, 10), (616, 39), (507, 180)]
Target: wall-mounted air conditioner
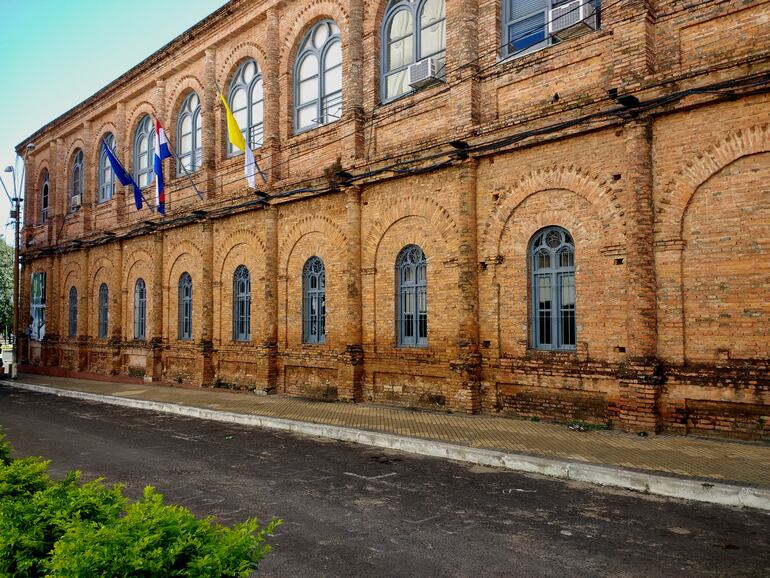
[(423, 73), (77, 200), (572, 19)]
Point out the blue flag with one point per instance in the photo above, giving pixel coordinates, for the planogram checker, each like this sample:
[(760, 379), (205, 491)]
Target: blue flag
[(123, 176)]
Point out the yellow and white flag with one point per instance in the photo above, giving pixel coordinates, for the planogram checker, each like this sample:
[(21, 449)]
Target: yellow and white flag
[(236, 139)]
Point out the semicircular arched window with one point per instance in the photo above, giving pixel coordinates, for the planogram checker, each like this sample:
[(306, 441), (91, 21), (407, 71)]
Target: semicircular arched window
[(44, 191), (314, 301), (412, 297), (76, 180), (412, 30), (318, 78), (188, 134), (246, 98), (241, 304), (552, 258), (106, 176), (103, 312), (144, 143), (140, 309), (73, 311), (185, 307)]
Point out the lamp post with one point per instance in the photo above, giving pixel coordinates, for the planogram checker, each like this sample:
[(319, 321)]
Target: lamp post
[(16, 214)]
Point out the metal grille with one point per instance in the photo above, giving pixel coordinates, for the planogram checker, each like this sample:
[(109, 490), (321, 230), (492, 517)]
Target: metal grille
[(103, 311), (242, 304), (553, 290), (140, 309)]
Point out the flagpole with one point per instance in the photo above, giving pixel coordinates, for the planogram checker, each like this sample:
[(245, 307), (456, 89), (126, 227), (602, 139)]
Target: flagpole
[(181, 164), (256, 162)]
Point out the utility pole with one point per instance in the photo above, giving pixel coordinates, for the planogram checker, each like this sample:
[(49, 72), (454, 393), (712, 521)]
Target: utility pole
[(16, 215)]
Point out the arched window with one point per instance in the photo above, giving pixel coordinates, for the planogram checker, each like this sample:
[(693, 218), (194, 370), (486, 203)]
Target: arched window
[(144, 144), (552, 256), (140, 309), (318, 78), (412, 30), (412, 296), (188, 134), (314, 301), (241, 304), (44, 197), (76, 180), (73, 305), (103, 311), (246, 102), (184, 314), (106, 177)]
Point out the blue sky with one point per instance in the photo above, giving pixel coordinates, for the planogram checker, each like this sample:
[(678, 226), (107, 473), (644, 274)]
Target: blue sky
[(56, 53)]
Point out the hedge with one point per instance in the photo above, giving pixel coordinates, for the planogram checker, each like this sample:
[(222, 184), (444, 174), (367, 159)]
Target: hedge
[(69, 528)]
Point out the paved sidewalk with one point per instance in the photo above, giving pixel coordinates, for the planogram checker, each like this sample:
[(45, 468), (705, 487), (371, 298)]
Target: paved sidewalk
[(693, 459)]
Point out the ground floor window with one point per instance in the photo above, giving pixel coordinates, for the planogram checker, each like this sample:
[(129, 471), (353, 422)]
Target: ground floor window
[(37, 307)]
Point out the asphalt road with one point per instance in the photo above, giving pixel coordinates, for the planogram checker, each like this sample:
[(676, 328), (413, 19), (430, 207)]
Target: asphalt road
[(350, 510)]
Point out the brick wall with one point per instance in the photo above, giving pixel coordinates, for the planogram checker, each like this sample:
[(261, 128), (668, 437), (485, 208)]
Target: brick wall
[(668, 210)]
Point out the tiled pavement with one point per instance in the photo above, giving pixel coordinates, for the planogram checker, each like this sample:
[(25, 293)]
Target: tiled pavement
[(686, 456)]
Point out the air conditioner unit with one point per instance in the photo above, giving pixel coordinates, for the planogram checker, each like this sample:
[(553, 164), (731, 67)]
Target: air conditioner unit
[(572, 19), (423, 73), (77, 200)]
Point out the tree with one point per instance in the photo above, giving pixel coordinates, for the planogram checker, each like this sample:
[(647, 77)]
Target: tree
[(6, 287)]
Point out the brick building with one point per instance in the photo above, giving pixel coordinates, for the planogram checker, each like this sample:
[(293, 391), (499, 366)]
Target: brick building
[(553, 218)]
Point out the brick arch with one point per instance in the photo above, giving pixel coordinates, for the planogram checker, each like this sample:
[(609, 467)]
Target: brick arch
[(307, 225), (240, 52), (134, 116), (73, 270), (177, 252), (313, 12), (76, 144), (600, 196), (673, 204), (235, 238), (435, 214), (184, 86), (139, 258)]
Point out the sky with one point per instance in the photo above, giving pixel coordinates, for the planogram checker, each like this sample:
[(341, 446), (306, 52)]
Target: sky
[(56, 53)]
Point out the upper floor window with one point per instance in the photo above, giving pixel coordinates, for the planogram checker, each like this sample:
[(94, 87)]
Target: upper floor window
[(552, 257), (144, 145), (246, 102), (318, 78), (314, 301), (106, 177), (532, 24), (103, 312), (412, 30), (184, 314), (188, 131), (76, 180), (241, 304), (37, 307), (44, 197), (73, 307), (412, 296), (140, 309)]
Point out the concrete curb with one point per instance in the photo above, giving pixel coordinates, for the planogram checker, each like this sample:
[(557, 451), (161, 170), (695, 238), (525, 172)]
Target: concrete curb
[(660, 485)]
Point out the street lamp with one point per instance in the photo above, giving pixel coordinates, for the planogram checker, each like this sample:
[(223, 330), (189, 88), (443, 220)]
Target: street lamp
[(16, 215)]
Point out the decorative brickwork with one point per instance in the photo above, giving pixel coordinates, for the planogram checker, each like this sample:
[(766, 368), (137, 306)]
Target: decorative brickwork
[(666, 203)]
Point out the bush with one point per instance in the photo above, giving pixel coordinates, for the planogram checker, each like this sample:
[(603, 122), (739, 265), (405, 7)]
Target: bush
[(67, 528)]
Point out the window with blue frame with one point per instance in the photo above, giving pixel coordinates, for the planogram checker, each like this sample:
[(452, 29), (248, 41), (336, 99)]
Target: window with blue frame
[(103, 312), (526, 22), (314, 301), (188, 135), (106, 176), (246, 100), (318, 77), (552, 265), (44, 197), (241, 304), (140, 309), (73, 309), (76, 180), (185, 307), (144, 144), (412, 297)]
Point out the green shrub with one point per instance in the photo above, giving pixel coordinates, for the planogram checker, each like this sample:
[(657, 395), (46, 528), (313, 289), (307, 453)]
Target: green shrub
[(68, 528)]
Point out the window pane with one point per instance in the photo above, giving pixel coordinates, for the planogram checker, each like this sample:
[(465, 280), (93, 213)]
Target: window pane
[(308, 68), (333, 80), (432, 39), (306, 116), (400, 53), (400, 26), (308, 90), (320, 35), (520, 8), (238, 101), (333, 56), (257, 91), (526, 33), (397, 84)]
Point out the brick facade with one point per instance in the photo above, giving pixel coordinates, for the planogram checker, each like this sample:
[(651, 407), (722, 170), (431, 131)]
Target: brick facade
[(668, 204)]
